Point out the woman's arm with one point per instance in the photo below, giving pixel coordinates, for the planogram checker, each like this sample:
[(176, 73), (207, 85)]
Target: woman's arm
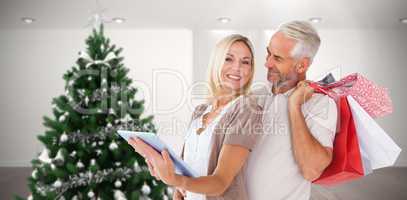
[(231, 160)]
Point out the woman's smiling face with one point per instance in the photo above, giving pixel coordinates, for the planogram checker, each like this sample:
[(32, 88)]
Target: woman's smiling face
[(237, 68)]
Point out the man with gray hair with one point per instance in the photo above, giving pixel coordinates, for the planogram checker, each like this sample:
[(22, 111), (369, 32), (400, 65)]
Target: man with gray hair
[(299, 125)]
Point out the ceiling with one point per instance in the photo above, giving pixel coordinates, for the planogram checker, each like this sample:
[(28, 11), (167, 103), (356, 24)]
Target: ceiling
[(202, 14)]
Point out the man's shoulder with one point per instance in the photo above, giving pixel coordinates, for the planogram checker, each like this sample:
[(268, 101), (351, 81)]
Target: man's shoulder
[(318, 100), (264, 90), (321, 109), (260, 95)]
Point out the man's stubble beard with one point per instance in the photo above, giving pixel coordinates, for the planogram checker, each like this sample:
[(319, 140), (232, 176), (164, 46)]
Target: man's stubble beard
[(287, 81)]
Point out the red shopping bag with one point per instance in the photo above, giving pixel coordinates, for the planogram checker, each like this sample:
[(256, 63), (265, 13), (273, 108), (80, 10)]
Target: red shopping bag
[(346, 163)]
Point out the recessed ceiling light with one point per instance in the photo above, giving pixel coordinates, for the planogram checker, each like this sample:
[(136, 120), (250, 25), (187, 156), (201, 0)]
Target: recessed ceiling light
[(119, 20), (403, 20), (224, 20), (315, 20), (27, 20)]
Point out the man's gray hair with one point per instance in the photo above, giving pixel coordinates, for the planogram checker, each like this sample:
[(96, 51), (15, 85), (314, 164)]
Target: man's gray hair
[(307, 38)]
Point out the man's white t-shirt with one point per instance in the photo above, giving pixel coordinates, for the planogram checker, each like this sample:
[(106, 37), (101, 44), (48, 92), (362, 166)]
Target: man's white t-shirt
[(272, 170)]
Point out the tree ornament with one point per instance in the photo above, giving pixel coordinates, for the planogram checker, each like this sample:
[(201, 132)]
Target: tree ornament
[(44, 156), (34, 173), (63, 138), (137, 167), (70, 99), (145, 189), (59, 156), (117, 183), (80, 164), (62, 118), (86, 100), (57, 183), (91, 194), (113, 146), (119, 195), (111, 111), (170, 191)]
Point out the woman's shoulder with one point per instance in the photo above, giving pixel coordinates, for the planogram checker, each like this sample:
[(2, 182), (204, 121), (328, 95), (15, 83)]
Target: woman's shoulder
[(245, 106), (248, 102)]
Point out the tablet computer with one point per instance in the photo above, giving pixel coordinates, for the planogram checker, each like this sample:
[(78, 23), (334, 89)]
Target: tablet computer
[(154, 141)]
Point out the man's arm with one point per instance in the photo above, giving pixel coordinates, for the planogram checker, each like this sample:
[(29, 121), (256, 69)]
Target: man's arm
[(310, 155)]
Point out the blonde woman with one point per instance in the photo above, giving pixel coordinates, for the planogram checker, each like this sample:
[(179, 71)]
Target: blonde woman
[(221, 133)]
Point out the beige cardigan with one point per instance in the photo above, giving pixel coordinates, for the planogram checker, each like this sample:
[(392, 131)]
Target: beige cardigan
[(240, 125)]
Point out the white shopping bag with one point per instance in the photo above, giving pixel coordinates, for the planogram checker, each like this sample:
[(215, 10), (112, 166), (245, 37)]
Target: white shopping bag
[(367, 166), (378, 147)]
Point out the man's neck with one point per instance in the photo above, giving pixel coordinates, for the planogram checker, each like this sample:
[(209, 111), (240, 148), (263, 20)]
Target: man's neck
[(283, 88)]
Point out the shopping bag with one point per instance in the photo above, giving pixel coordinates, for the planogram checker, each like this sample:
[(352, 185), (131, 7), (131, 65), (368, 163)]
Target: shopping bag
[(319, 88), (346, 163), (380, 149), (372, 97)]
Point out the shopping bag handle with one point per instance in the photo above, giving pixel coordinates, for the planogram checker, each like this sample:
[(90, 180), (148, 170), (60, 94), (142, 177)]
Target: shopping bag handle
[(347, 81), (319, 89)]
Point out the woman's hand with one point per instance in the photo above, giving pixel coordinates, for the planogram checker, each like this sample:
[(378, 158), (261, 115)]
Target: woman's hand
[(164, 168), (152, 170), (141, 147), (159, 165), (146, 151), (179, 194)]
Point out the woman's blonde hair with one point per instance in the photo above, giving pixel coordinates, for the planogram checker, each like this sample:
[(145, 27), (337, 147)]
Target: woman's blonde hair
[(217, 61)]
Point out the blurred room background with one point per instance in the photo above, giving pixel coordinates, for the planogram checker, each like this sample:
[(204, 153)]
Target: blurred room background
[(167, 44)]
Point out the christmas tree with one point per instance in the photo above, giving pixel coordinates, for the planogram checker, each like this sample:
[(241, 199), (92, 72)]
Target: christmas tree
[(84, 158)]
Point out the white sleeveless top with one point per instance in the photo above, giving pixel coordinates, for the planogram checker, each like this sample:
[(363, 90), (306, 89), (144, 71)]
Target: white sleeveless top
[(197, 147)]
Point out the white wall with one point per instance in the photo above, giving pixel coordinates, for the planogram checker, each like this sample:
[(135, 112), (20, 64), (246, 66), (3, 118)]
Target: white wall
[(33, 62), (378, 54)]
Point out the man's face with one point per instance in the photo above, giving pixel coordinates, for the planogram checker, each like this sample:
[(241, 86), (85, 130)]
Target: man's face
[(279, 62)]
